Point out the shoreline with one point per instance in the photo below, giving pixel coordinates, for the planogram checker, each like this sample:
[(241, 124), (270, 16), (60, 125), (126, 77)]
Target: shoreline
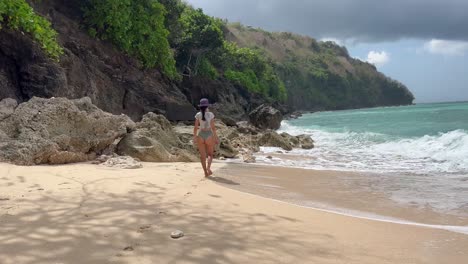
[(362, 215), (83, 213), (341, 192)]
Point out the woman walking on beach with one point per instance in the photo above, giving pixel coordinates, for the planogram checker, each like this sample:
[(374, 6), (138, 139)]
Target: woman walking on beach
[(204, 135)]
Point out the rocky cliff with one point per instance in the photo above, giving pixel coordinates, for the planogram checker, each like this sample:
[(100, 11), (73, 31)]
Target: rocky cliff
[(321, 75), (324, 78), (89, 67)]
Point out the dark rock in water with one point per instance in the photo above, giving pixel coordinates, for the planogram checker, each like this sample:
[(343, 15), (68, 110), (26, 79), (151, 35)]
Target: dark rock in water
[(294, 141), (266, 117), (154, 140), (273, 139), (294, 115), (305, 142), (301, 141), (59, 131)]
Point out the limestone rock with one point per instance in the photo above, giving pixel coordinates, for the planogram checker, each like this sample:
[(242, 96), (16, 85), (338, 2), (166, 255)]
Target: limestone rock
[(246, 128), (226, 149), (273, 139), (7, 107), (154, 140), (58, 131), (266, 117)]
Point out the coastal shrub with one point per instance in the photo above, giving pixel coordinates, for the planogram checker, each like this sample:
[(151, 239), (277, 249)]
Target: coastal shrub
[(201, 34), (172, 22), (249, 68), (19, 15), (246, 78), (206, 69), (135, 26)]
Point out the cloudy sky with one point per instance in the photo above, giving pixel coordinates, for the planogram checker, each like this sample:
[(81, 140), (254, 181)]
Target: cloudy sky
[(423, 43)]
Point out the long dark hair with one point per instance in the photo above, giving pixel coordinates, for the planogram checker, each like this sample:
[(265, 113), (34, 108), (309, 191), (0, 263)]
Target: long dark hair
[(203, 111)]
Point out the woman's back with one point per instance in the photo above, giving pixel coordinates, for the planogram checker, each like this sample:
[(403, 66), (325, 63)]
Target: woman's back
[(205, 124)]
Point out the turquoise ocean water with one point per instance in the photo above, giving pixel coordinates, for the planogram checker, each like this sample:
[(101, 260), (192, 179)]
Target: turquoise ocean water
[(419, 153)]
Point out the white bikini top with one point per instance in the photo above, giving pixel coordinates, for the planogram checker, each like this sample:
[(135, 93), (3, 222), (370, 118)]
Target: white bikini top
[(205, 125)]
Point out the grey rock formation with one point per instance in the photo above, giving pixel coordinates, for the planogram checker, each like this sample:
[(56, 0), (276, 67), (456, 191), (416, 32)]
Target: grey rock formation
[(59, 131), (273, 139), (306, 142), (266, 117), (154, 140), (7, 107)]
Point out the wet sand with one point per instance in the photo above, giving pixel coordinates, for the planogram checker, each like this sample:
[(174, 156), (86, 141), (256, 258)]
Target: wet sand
[(344, 192), (87, 213)]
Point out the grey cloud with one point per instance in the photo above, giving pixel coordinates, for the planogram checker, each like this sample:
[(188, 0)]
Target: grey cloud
[(358, 20)]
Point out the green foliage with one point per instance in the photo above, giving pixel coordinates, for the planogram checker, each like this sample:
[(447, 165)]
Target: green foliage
[(317, 75), (200, 34), (249, 68), (206, 69), (19, 15), (246, 78), (200, 31), (173, 23), (135, 26)]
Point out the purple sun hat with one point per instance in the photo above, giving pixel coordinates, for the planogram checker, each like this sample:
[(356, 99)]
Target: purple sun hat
[(204, 102)]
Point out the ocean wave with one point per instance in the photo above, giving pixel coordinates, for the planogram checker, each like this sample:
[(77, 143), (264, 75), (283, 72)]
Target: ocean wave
[(367, 151)]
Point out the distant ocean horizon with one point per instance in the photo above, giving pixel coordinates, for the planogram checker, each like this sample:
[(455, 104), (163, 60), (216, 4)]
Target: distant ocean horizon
[(418, 152)]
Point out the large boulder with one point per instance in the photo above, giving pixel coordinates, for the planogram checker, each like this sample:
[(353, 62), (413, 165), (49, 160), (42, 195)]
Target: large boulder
[(306, 142), (273, 139), (266, 117), (154, 140), (58, 131), (301, 141)]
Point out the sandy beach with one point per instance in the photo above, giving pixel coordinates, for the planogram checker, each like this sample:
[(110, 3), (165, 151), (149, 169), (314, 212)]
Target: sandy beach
[(85, 213)]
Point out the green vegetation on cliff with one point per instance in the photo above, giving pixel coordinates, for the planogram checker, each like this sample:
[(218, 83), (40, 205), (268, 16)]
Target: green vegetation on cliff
[(321, 75), (135, 26), (183, 41), (204, 51), (19, 15)]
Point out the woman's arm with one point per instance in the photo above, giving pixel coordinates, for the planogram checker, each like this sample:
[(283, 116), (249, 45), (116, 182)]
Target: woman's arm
[(195, 130), (213, 128)]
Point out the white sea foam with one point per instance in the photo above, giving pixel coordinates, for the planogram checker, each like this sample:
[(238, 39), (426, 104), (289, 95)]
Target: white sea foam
[(425, 171), (443, 153)]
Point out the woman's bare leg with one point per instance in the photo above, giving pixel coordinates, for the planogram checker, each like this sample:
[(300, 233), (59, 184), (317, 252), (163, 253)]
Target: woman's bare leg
[(202, 150), (210, 153)]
